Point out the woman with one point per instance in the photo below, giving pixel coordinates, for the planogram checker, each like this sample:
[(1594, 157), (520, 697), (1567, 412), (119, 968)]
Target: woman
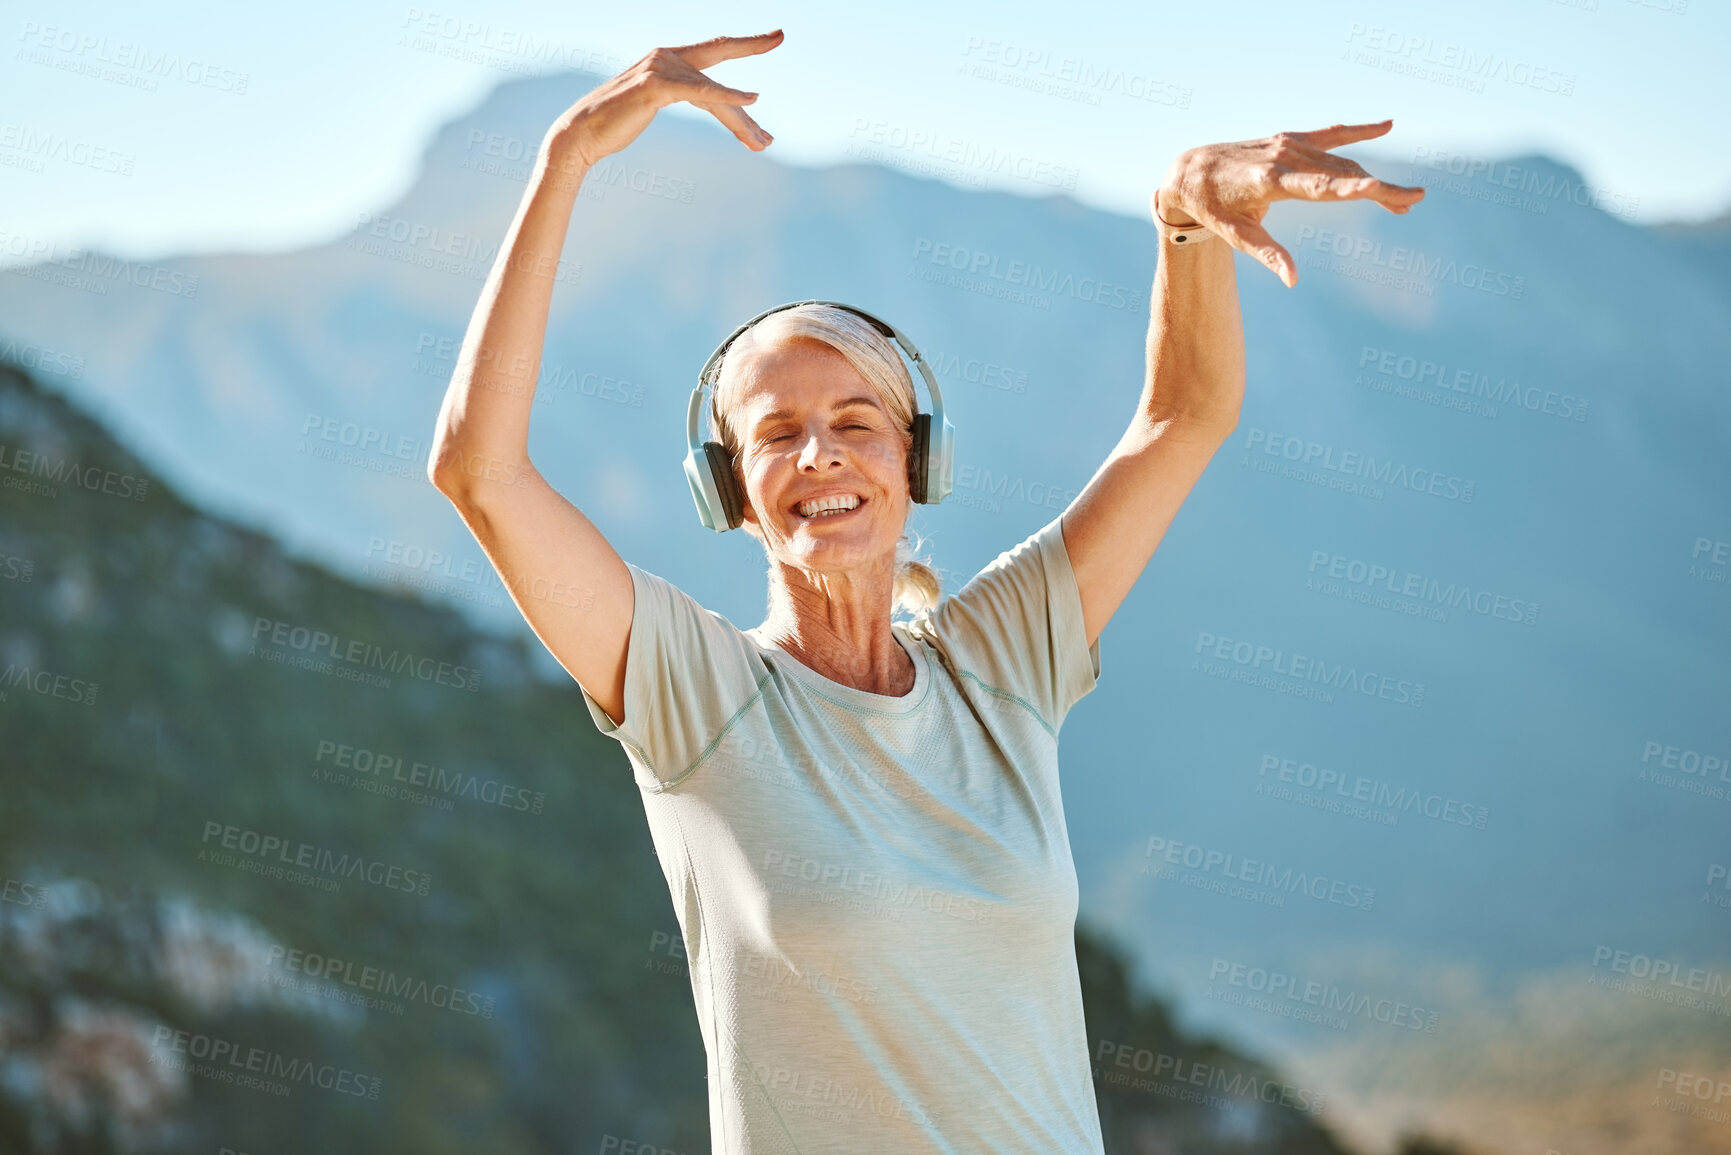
[(859, 818)]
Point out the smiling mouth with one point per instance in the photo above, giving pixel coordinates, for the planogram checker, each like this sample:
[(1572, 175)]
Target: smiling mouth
[(829, 514)]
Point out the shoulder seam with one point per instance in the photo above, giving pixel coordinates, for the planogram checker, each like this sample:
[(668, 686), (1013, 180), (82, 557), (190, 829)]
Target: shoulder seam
[(716, 741), (991, 689)]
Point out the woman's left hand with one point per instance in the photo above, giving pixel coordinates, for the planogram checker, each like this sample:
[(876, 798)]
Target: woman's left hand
[(1228, 187)]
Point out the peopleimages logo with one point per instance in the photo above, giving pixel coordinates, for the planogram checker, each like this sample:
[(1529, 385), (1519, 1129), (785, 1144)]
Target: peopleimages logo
[(48, 684), (983, 267), (1177, 1069), (370, 985), (276, 852), (978, 372), (1331, 998), (36, 146), (1543, 185), (1442, 61), (1429, 591), (920, 149), (1688, 761), (1254, 657), (1395, 800), (1356, 465), (104, 269), (1216, 1077), (1472, 384), (362, 763), (775, 979), (1258, 873), (498, 46), (1066, 77), (29, 894), (894, 894), (88, 54), (230, 1062), (42, 360), (63, 471), (1662, 973), (353, 656), (1400, 259), (826, 1099)]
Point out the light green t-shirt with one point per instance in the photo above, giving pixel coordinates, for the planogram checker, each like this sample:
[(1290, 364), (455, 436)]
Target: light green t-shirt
[(877, 895)]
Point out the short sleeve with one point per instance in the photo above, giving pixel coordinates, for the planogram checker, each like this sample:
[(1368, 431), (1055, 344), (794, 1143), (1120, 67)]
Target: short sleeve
[(1017, 627), (689, 673)]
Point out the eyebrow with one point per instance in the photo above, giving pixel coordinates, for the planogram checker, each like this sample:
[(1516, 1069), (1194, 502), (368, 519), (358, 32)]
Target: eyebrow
[(779, 414)]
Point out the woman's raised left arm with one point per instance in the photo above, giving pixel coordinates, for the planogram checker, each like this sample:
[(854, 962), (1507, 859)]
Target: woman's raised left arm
[(1195, 381)]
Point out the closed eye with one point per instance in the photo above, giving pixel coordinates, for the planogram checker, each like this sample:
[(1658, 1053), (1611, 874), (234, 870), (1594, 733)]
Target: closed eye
[(785, 436)]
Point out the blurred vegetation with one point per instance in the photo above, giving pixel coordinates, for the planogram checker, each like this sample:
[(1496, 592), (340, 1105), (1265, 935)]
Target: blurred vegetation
[(115, 930)]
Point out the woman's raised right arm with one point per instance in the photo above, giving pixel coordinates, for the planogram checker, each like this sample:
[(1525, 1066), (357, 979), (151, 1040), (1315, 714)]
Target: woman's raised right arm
[(569, 583)]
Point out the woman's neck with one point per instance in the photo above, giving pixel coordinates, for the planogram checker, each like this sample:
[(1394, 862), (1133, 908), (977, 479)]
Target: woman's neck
[(840, 627)]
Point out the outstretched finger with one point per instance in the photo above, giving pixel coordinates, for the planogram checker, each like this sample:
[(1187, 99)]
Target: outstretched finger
[(707, 52), (1343, 165), (1322, 186), (734, 117), (1247, 236), (1339, 134), (699, 89)]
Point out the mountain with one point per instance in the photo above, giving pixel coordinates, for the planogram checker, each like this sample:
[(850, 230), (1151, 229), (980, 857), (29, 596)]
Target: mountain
[(158, 729), (1444, 623), (410, 878)]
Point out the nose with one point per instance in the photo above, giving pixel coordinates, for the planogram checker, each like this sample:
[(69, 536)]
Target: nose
[(819, 449)]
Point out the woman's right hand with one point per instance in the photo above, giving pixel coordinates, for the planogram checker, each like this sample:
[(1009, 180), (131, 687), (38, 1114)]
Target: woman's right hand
[(615, 112)]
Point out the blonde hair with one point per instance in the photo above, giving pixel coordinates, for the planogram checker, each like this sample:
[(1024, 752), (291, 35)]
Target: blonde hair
[(916, 586)]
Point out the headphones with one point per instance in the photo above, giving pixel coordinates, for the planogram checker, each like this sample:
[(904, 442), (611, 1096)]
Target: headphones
[(721, 504)]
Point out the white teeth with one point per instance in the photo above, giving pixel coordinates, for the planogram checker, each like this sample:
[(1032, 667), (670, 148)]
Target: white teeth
[(826, 505)]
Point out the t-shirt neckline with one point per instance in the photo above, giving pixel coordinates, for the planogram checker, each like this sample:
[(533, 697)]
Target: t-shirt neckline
[(848, 695)]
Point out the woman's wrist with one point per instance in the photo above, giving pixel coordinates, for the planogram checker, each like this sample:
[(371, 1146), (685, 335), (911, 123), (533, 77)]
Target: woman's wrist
[(1169, 209), (1178, 229), (561, 163), (564, 150)]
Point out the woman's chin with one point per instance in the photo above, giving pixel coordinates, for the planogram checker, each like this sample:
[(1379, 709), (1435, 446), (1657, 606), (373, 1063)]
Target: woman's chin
[(838, 547)]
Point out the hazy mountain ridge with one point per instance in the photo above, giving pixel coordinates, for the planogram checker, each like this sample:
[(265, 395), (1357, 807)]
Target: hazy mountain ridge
[(524, 990), (1593, 520)]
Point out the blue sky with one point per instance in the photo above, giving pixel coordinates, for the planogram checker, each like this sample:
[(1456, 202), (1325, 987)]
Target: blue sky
[(272, 129)]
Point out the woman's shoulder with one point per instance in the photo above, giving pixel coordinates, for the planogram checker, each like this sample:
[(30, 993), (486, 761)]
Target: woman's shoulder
[(688, 672), (682, 622), (1016, 628)]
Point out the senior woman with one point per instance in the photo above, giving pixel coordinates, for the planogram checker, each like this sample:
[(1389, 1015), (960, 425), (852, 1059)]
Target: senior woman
[(859, 818)]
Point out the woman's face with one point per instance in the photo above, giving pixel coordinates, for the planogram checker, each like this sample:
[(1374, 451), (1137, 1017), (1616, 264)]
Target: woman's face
[(809, 426)]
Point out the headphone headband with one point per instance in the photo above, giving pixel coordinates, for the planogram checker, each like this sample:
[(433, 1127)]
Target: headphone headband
[(710, 473)]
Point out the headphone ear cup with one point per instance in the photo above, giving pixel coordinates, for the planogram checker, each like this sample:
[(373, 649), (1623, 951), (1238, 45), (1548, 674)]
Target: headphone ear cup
[(919, 457), (721, 471)]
